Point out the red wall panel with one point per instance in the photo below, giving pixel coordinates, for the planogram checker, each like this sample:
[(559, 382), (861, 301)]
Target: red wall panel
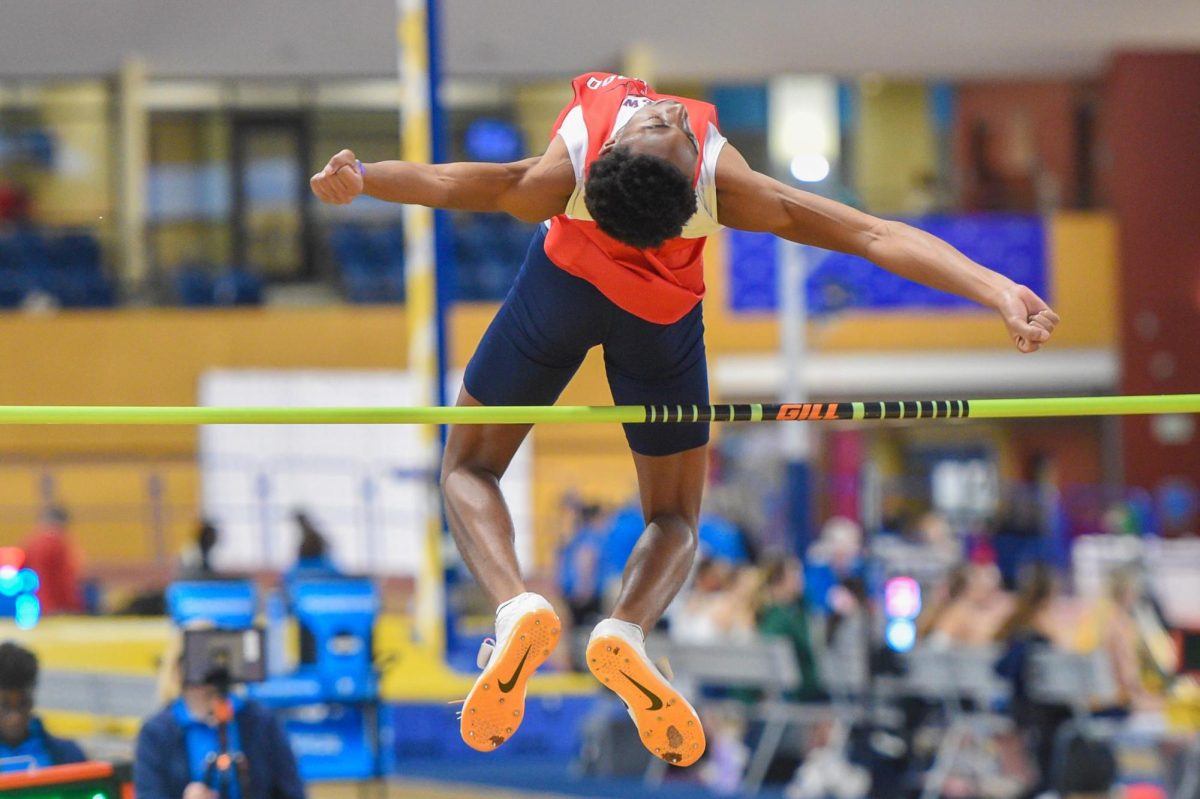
[(1152, 124)]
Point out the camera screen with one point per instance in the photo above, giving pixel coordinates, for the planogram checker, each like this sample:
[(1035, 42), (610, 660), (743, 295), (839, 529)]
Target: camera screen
[(223, 657)]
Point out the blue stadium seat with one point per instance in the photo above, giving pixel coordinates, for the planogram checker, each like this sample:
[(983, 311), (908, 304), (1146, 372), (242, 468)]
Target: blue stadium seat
[(76, 273), (12, 278), (237, 286), (193, 284), (488, 250), (371, 262)]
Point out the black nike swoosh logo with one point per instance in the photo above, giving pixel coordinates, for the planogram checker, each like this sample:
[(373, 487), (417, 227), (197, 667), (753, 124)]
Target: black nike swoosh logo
[(655, 702), (508, 686)]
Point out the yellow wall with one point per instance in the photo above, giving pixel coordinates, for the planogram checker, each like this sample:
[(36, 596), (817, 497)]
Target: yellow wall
[(182, 139), (140, 357), (77, 191), (156, 357), (537, 109), (895, 145)]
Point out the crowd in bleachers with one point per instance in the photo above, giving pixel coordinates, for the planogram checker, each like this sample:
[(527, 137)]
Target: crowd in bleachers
[(1001, 681)]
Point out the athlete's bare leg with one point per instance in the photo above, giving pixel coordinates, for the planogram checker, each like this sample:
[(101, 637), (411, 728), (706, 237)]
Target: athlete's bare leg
[(475, 458), (671, 487)]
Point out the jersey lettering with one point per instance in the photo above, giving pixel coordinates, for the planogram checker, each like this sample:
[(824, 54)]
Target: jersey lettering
[(597, 83)]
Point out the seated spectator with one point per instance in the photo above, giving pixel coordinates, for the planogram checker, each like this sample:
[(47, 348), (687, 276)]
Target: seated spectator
[(1116, 624), (579, 564), (1031, 624), (624, 528), (965, 611), (720, 538), (937, 612), (848, 625), (702, 612), (933, 529), (784, 613), (833, 559), (719, 606), (24, 742), (177, 745)]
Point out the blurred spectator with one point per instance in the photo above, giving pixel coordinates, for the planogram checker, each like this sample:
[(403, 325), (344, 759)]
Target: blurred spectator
[(784, 613), (579, 564), (719, 606), (718, 539), (24, 742), (312, 555), (937, 613), (1119, 518), (834, 558), (1018, 535), (50, 552), (176, 745), (625, 527), (1031, 624), (965, 608), (14, 202), (195, 562), (933, 529), (848, 626), (1117, 624)]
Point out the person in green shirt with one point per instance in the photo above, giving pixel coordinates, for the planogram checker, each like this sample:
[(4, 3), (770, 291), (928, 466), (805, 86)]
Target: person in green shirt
[(784, 613)]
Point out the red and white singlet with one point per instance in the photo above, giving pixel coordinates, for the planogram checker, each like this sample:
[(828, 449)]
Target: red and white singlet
[(659, 285)]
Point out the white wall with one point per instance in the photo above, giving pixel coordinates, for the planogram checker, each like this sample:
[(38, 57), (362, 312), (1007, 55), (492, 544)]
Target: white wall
[(701, 39), (360, 483)]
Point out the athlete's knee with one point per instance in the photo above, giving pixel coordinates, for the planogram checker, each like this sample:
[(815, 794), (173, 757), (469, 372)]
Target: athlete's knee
[(679, 527), (457, 467)]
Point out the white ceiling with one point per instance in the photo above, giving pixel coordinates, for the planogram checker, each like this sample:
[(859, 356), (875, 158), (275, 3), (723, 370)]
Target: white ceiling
[(701, 39)]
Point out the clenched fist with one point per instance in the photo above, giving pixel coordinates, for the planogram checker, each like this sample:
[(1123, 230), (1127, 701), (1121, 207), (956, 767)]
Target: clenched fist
[(340, 181), (1029, 320)]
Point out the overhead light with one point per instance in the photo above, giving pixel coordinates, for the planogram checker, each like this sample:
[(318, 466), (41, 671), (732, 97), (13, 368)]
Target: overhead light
[(810, 168)]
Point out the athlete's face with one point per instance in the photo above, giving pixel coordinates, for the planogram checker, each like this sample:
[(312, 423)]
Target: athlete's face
[(661, 129)]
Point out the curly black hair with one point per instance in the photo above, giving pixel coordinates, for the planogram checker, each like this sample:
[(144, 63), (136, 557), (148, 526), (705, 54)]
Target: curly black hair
[(18, 668), (639, 200)]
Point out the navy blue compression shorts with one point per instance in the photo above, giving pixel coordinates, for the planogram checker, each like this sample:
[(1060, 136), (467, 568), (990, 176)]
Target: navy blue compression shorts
[(548, 322)]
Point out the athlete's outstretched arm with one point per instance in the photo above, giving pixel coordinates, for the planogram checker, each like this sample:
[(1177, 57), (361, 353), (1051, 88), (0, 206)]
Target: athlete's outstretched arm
[(532, 190), (749, 200)]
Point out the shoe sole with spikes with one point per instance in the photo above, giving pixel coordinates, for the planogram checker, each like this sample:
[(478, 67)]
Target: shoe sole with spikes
[(667, 725), (494, 709)]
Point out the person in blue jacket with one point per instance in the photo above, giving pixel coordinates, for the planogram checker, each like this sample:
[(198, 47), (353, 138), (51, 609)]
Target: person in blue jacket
[(174, 757), (24, 741)]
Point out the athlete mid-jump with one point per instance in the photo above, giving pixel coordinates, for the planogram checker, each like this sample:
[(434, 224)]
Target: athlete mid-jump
[(629, 187)]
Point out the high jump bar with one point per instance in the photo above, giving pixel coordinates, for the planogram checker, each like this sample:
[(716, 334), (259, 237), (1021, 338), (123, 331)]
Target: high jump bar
[(627, 414)]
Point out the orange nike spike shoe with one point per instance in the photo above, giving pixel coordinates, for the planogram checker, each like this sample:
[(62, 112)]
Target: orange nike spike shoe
[(667, 725), (527, 631)]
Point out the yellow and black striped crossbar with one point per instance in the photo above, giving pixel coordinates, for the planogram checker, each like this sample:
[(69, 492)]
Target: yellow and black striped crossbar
[(627, 414)]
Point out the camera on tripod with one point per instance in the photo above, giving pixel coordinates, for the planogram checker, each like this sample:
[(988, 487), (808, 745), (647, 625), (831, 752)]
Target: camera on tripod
[(223, 658)]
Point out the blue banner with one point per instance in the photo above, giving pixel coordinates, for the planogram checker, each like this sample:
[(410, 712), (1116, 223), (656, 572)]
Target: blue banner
[(1012, 245)]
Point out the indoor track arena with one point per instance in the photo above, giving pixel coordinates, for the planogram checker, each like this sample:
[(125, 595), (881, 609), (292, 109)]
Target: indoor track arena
[(441, 399)]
